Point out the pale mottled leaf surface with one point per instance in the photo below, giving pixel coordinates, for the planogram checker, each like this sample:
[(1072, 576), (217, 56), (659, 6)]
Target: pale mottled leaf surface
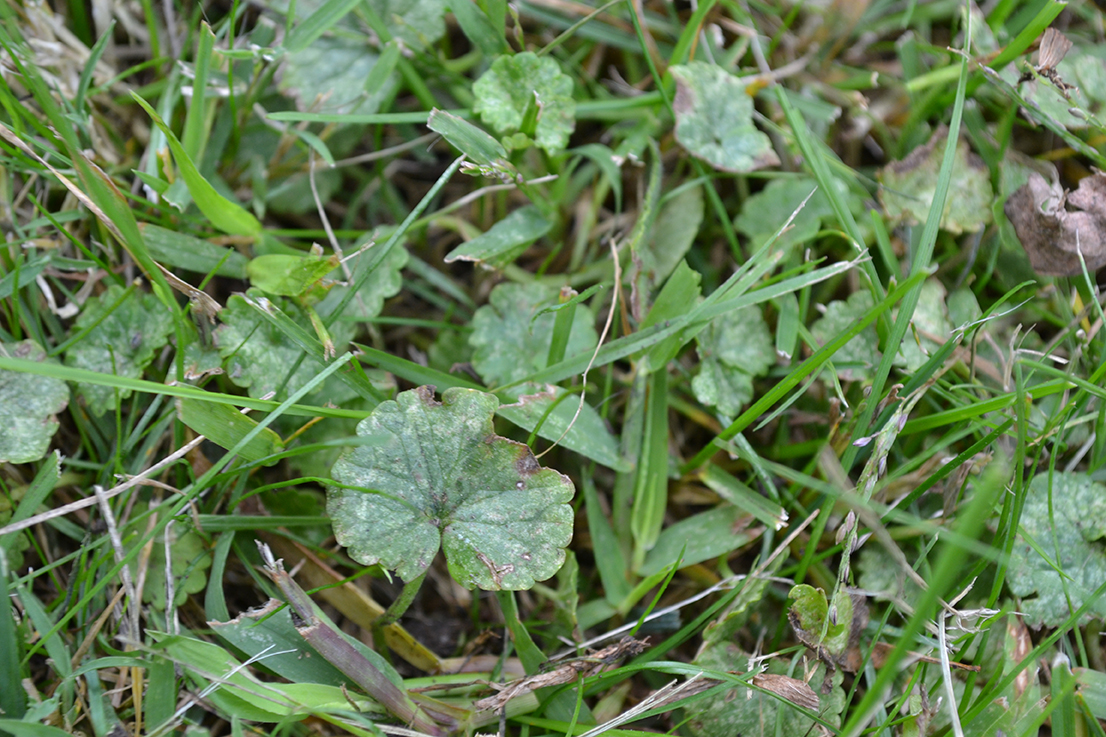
[(443, 478), (855, 359), (122, 343), (734, 349), (909, 186), (259, 356), (509, 345), (28, 405), (504, 91), (714, 119), (1072, 534)]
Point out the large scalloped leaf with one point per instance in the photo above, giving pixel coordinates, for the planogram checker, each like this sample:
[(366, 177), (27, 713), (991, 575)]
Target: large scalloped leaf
[(121, 343), (516, 81), (510, 345), (714, 119), (443, 478), (1069, 526), (28, 404)]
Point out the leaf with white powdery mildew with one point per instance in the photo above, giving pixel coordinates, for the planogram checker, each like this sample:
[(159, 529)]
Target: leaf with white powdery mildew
[(122, 343), (714, 119), (28, 405), (1068, 526), (510, 345), (443, 478)]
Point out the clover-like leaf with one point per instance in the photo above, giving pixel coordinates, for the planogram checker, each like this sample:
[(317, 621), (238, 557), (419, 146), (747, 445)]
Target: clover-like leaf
[(510, 345), (909, 186), (734, 348), (28, 405), (714, 119), (518, 83), (121, 343), (443, 478), (1068, 526), (259, 356)]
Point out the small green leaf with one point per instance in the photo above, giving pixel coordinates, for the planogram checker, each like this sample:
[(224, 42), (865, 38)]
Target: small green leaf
[(289, 275), (386, 281), (478, 28), (28, 405), (733, 349), (514, 83), (1067, 525), (909, 185), (505, 241), (766, 211), (443, 478), (671, 236), (225, 426), (509, 345), (714, 119), (122, 343), (227, 216)]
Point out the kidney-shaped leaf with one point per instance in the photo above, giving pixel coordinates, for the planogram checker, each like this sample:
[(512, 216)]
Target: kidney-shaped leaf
[(504, 92), (714, 119), (444, 478)]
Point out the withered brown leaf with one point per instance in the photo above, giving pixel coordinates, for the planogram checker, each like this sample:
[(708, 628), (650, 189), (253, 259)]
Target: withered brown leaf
[(1052, 234)]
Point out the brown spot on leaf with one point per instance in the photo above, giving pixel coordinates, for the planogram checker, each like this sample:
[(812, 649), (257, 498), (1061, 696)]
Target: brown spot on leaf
[(1054, 226)]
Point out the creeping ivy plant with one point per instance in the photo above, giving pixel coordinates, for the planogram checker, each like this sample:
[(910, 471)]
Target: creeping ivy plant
[(441, 477)]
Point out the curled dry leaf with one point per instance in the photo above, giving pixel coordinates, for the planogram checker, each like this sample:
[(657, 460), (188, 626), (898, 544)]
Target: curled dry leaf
[(1054, 234), (796, 691)]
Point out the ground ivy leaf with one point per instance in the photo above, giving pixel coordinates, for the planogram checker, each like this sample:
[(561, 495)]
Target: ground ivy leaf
[(444, 478), (671, 236), (259, 355), (122, 343), (909, 185), (1072, 537), (418, 23), (714, 119), (384, 282), (855, 359), (329, 76), (509, 345), (733, 349), (930, 320), (746, 711), (766, 211), (190, 561), (28, 404), (514, 82), (586, 434)]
